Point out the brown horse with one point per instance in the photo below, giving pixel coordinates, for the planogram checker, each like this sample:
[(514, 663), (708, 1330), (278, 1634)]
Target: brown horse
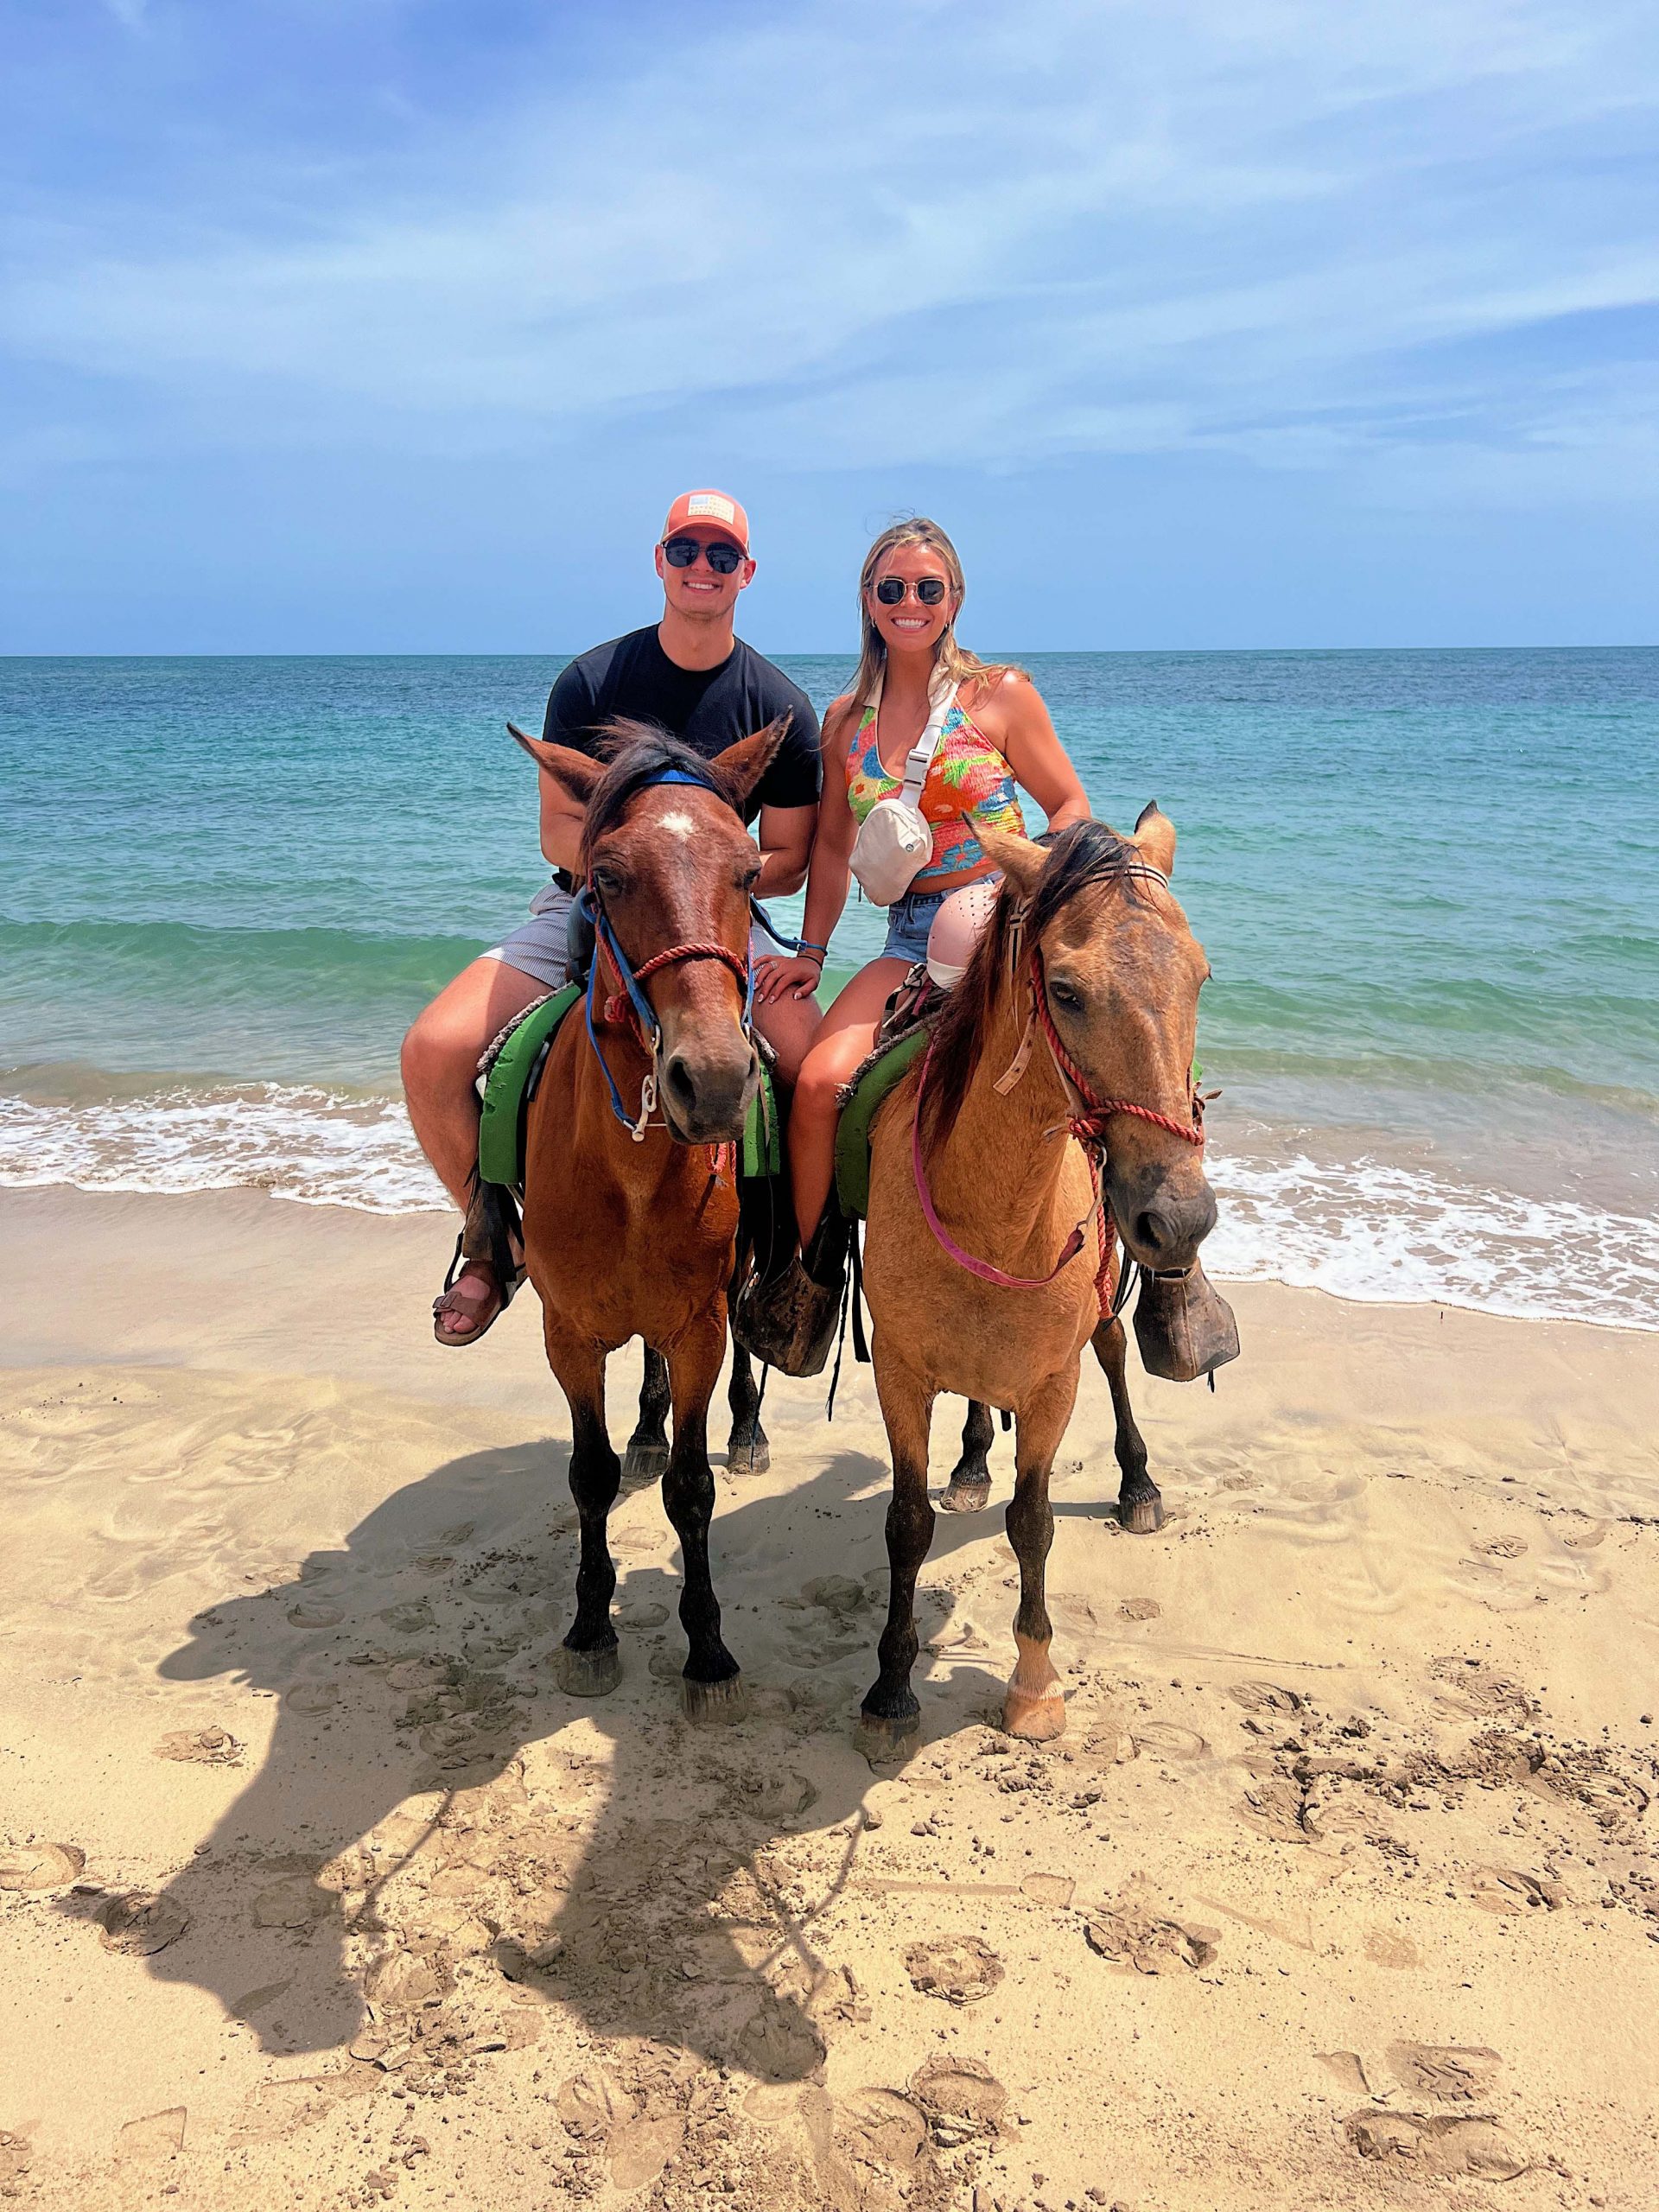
[(631, 1207), (1076, 1021)]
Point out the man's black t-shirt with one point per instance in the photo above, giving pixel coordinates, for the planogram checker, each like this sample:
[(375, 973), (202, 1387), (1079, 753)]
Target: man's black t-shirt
[(707, 709)]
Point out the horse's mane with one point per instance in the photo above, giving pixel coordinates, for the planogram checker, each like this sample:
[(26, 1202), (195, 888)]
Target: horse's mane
[(1085, 854), (636, 754)]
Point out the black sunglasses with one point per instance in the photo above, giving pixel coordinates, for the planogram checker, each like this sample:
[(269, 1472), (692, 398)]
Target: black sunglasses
[(723, 557), (890, 591)]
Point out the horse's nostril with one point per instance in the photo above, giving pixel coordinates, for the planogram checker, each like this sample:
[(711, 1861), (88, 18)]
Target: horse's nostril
[(678, 1084), (1150, 1230)]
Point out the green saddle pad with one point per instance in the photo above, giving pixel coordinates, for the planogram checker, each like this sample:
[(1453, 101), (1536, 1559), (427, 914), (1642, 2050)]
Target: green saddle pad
[(873, 1084), (510, 1085), (507, 1090)]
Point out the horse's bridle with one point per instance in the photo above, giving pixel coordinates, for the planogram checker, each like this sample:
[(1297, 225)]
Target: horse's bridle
[(1087, 1121), (630, 999)]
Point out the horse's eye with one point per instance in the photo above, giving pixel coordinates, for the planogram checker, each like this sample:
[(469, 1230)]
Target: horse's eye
[(608, 881), (1063, 994)]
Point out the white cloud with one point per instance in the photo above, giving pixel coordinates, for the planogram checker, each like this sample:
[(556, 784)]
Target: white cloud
[(903, 233)]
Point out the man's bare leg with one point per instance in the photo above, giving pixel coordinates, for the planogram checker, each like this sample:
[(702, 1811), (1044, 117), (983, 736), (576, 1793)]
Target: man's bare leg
[(440, 1061)]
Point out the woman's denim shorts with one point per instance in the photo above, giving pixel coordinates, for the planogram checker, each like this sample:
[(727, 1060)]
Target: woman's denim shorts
[(909, 920)]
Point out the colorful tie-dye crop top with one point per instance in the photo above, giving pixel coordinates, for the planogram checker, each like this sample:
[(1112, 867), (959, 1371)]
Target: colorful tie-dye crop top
[(968, 785)]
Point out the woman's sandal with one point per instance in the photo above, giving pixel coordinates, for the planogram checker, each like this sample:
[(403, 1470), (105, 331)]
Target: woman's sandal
[(490, 1304)]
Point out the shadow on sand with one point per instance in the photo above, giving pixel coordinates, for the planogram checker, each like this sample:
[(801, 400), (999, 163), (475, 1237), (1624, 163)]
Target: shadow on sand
[(440, 1843)]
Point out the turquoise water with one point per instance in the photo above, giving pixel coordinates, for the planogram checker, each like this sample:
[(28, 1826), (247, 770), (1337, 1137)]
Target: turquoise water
[(1426, 882)]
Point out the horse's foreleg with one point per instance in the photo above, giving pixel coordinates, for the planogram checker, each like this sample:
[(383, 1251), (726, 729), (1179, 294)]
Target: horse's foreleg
[(1033, 1706), (1139, 1508), (890, 1711), (588, 1664), (648, 1454), (969, 1488), (712, 1684), (748, 1452)]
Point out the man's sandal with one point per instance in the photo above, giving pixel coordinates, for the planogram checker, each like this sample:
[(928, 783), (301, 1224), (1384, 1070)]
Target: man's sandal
[(483, 1307)]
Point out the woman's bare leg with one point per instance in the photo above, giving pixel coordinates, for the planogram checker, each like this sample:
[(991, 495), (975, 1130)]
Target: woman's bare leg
[(846, 1039)]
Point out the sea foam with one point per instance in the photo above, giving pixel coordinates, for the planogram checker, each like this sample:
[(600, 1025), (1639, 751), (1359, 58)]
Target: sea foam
[(1364, 1229)]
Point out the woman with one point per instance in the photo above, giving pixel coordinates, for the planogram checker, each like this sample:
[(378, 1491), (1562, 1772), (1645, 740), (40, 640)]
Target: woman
[(995, 740)]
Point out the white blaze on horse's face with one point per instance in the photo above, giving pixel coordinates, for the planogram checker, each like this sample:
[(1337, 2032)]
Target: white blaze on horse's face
[(679, 825)]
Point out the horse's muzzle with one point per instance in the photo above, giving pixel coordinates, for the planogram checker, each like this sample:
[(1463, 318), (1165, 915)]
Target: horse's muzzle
[(1161, 1216), (705, 1095)]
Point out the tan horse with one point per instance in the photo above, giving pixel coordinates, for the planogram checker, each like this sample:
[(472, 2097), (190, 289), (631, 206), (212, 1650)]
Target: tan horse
[(631, 1207), (1078, 1016)]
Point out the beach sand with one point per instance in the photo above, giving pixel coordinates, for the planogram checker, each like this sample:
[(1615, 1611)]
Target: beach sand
[(1338, 1890)]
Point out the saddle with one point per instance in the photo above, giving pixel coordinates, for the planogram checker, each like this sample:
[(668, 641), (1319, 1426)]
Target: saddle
[(906, 1025), (511, 1070)]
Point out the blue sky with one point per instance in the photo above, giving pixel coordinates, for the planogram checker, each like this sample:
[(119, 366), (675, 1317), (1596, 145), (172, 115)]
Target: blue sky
[(389, 325)]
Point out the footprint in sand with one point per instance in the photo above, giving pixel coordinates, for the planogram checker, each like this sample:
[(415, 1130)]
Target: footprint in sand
[(159, 2135), (1166, 1739), (311, 1698), (1348, 2068), (1133, 1939), (1054, 1889), (592, 2105), (1507, 1888), (279, 2108), (140, 1922), (1277, 1806), (1454, 2074), (1447, 2145), (1265, 1698), (1140, 1609), (1470, 1685), (200, 1747), (314, 1614), (14, 2158), (962, 2099), (777, 1797), (961, 1972), (40, 1866), (295, 1902), (412, 1618), (1386, 1947), (640, 2149)]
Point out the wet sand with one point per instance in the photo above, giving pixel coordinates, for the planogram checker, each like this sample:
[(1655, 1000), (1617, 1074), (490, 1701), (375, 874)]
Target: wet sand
[(316, 1889)]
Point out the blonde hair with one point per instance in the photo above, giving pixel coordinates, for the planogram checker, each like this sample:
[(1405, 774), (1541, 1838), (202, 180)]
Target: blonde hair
[(952, 659)]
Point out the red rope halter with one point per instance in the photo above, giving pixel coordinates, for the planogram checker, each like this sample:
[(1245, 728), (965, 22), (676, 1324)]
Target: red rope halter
[(619, 1006), (1090, 1127)]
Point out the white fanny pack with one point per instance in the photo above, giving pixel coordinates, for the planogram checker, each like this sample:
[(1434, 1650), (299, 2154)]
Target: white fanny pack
[(895, 838)]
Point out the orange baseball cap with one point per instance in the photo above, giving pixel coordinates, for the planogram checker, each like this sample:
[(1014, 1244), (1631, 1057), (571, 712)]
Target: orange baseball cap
[(717, 509)]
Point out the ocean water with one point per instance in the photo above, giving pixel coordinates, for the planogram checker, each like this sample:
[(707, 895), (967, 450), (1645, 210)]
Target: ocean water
[(1429, 883)]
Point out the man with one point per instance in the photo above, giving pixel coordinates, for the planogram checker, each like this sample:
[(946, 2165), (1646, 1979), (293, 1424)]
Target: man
[(692, 675)]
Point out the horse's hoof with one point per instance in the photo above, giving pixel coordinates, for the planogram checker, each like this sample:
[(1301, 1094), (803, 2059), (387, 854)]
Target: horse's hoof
[(1035, 1719), (589, 1673), (887, 1743), (713, 1701), (1142, 1517), (749, 1459), (645, 1462), (965, 1497)]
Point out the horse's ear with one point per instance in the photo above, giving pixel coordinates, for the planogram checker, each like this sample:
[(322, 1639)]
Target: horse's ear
[(1155, 837), (574, 773), (740, 766), (1021, 860)]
